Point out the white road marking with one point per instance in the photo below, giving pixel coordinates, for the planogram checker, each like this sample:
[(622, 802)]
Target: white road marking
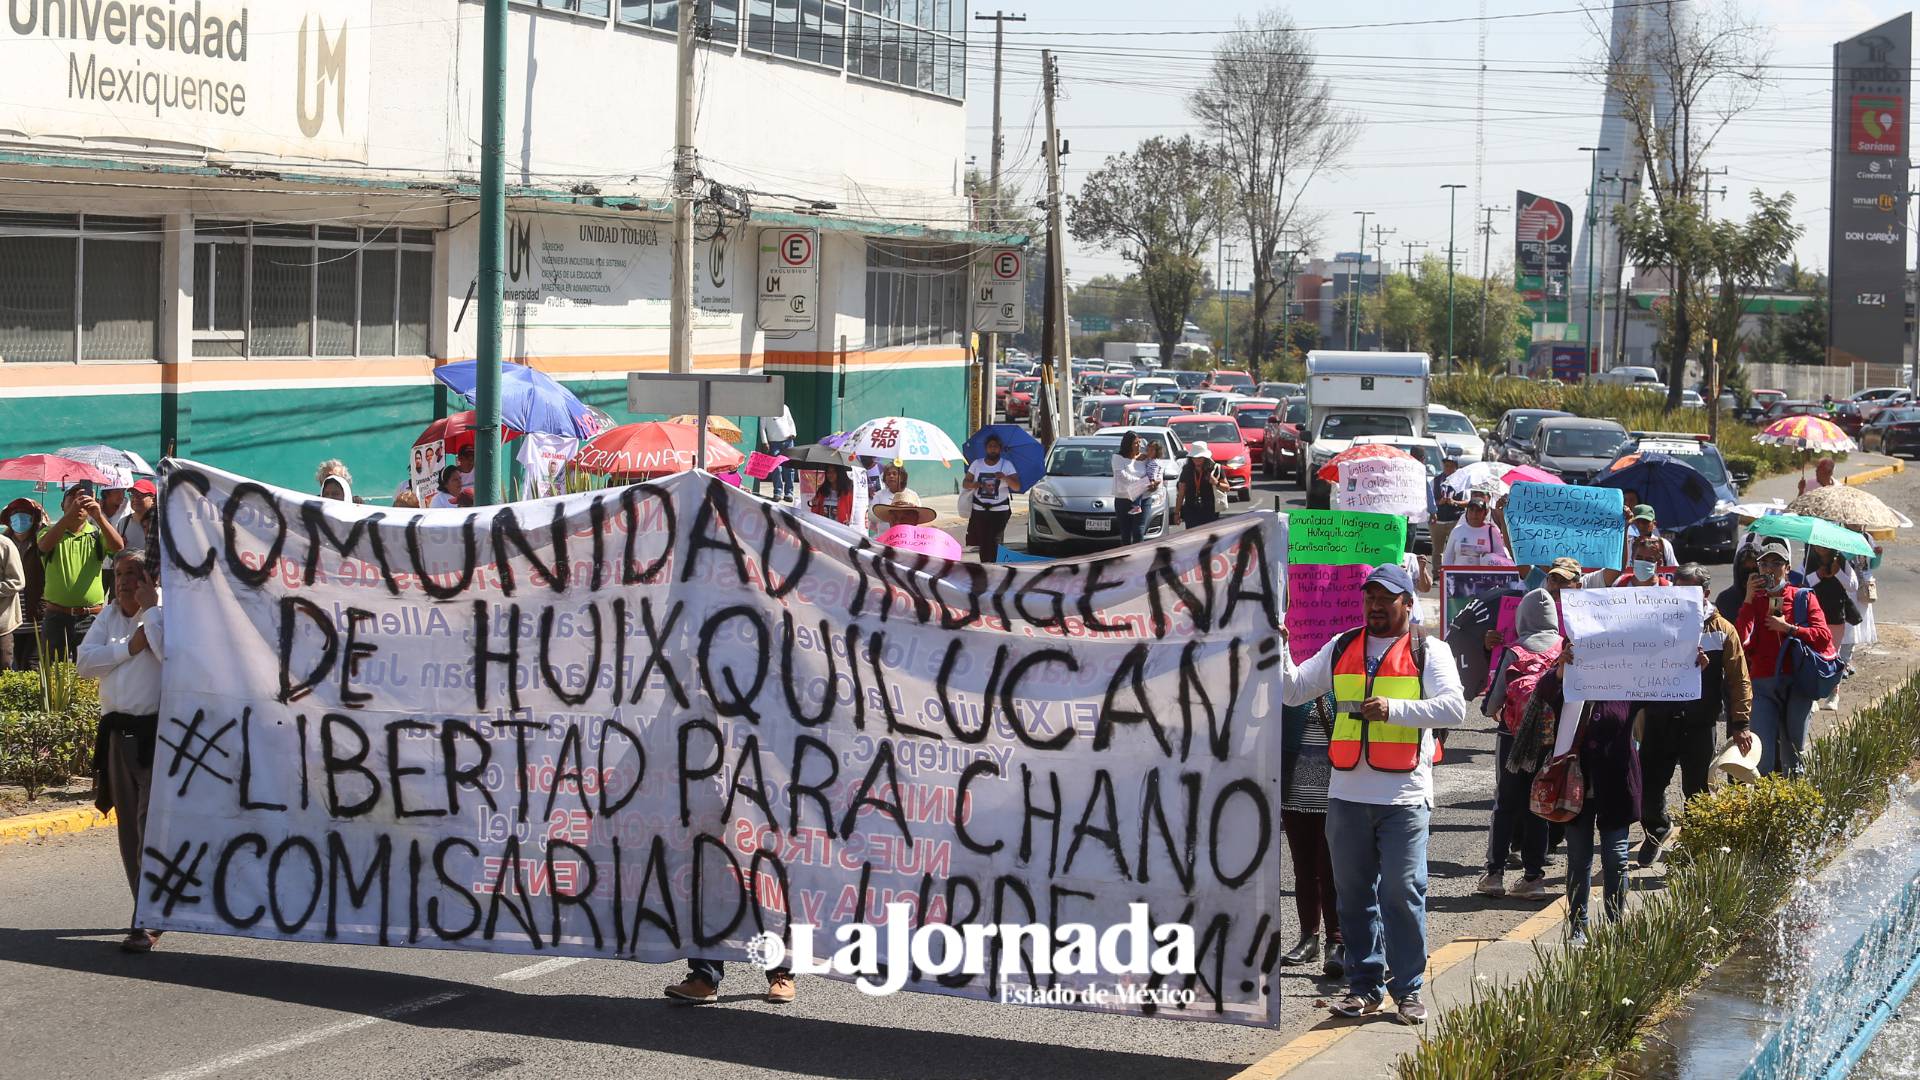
[(266, 1050), (534, 971)]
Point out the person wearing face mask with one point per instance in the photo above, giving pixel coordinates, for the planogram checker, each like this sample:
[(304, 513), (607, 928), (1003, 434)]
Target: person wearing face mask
[(1643, 566), (22, 520), (1775, 613)]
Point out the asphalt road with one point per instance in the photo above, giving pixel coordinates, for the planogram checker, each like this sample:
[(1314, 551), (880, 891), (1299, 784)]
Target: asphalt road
[(214, 1007)]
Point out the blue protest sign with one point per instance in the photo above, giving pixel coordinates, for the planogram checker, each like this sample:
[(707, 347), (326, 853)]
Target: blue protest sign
[(1547, 521)]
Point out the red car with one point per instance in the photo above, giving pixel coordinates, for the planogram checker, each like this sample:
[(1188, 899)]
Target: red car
[(1238, 382), (1222, 436), (1283, 451), (1020, 396), (1252, 415)]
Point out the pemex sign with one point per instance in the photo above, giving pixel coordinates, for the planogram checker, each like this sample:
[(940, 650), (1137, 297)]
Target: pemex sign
[(1542, 254)]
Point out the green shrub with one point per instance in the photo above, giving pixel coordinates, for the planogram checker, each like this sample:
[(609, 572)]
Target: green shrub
[(42, 748), (1485, 398), (20, 691), (1774, 819)]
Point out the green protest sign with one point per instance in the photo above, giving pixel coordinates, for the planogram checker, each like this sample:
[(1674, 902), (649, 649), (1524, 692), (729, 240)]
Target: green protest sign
[(1344, 537)]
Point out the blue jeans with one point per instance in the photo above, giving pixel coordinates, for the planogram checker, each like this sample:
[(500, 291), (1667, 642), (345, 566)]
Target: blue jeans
[(1511, 810), (783, 476), (1130, 519), (1780, 723), (1379, 856), (1613, 868)]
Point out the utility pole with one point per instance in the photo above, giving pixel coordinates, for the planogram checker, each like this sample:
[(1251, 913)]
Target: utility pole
[(1586, 328), (1000, 19), (1286, 298), (493, 237), (1708, 191), (1453, 192), (1056, 256), (1380, 234), (685, 172), (1226, 307), (1486, 272), (1410, 245), (1354, 279)]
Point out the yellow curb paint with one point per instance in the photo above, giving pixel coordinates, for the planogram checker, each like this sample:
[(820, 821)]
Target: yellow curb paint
[(15, 830), (1310, 1043), (1542, 921), (1881, 473)]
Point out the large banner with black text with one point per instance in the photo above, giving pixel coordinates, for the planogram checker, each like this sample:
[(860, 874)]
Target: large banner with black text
[(671, 719)]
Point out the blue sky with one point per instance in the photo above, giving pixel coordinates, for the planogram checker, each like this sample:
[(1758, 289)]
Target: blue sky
[(1414, 88)]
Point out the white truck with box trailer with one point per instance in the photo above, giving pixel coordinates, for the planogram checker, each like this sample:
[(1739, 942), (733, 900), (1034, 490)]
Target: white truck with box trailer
[(1354, 395)]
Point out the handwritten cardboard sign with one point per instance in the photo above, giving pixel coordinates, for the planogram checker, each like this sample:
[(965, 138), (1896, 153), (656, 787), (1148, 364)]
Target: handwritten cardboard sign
[(1383, 486), (1323, 602), (1547, 521), (1633, 644)]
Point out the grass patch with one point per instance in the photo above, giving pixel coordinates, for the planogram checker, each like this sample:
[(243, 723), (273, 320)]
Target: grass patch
[(1578, 1010), (1486, 398)]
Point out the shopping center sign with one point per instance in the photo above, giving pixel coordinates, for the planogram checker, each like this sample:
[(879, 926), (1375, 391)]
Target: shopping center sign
[(284, 79)]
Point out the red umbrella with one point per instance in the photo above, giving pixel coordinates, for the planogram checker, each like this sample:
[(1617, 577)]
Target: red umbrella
[(456, 432), (653, 448), (1330, 472), (50, 469)]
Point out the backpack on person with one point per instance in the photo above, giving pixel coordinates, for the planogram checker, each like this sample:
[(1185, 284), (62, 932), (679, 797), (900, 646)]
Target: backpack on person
[(1811, 674)]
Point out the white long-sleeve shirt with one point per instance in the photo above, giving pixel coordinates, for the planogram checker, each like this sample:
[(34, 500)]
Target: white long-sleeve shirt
[(1444, 706), (129, 682)]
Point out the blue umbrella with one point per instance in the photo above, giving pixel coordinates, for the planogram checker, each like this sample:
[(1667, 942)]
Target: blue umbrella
[(529, 400), (1679, 495), (1016, 445)]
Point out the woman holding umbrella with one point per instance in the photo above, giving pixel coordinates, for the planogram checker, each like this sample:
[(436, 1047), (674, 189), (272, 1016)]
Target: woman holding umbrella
[(991, 483)]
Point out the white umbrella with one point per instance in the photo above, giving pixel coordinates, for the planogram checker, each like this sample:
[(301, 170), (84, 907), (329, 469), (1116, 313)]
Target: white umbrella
[(120, 465), (901, 438), (1485, 475)]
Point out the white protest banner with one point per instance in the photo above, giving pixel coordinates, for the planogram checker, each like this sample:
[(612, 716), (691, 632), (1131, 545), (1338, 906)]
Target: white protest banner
[(657, 721), (1633, 644), (1383, 486), (423, 472)]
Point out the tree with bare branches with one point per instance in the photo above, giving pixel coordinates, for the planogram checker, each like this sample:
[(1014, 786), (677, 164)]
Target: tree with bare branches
[(1275, 128), (1159, 205), (1681, 72)]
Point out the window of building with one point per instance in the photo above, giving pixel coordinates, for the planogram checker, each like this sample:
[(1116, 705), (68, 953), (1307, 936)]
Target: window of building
[(720, 18), (266, 290), (810, 30), (918, 44), (916, 294), (78, 287), (595, 8)]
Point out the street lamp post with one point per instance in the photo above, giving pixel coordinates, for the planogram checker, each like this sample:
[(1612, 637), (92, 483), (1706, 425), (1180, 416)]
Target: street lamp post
[(1453, 191), (1359, 263), (1586, 329)]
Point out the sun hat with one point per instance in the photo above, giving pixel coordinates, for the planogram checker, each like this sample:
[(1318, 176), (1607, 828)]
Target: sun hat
[(1740, 765), (905, 509)]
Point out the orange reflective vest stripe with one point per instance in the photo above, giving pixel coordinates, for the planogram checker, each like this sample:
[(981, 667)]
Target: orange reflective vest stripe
[(1387, 747)]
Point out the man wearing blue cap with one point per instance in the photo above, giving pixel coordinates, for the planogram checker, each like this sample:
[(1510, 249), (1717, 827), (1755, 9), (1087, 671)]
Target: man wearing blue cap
[(1391, 687)]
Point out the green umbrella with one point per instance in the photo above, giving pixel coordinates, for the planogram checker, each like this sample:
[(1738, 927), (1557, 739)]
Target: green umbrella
[(1813, 530)]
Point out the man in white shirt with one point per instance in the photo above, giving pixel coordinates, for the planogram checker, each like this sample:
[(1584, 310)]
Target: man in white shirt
[(1391, 687), (123, 649), (1475, 539)]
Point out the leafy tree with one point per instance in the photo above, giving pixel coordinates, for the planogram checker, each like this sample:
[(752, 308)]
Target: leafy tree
[(1158, 205), (1276, 126), (1401, 312), (1744, 256)]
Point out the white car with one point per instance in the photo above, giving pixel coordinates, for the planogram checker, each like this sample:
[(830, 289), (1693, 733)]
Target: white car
[(1455, 433)]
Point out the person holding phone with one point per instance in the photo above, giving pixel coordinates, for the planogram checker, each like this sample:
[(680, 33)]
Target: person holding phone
[(73, 550), (1773, 615)]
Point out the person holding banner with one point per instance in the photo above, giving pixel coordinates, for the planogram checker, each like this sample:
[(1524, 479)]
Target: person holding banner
[(1682, 733), (124, 649), (1774, 621), (1392, 685), (1476, 541)]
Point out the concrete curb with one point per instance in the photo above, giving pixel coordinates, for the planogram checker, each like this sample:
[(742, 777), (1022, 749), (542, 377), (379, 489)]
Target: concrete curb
[(1868, 476), (16, 830), (1311, 1043)]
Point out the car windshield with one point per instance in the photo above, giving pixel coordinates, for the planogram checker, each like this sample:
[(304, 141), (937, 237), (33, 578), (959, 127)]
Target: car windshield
[(1359, 425), (1167, 393), (1112, 412), (1026, 386), (1583, 442), (1253, 417), (1297, 411), (1212, 431), (1451, 423), (1156, 417), (1524, 424), (1707, 464), (1232, 378), (1083, 459), (1189, 379), (1898, 416)]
